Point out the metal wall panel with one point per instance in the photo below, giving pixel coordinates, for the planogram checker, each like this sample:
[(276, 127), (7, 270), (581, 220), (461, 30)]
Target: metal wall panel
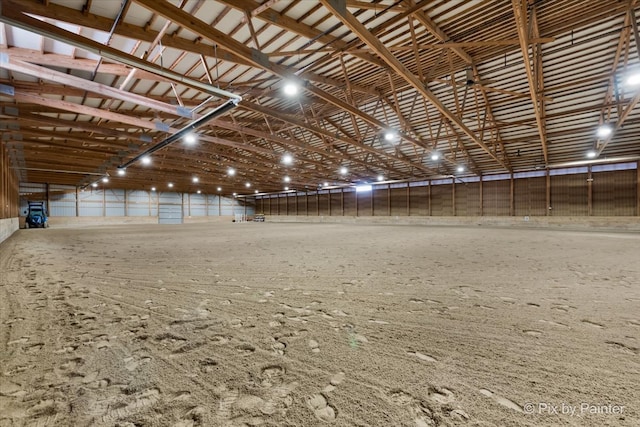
[(62, 200), (312, 199), (467, 199), (114, 202), (195, 205), (170, 208), (91, 203)]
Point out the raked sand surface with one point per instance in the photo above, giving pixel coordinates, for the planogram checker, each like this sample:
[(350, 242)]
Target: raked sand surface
[(319, 324)]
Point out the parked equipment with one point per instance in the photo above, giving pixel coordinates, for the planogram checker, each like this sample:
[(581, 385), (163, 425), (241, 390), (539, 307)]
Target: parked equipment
[(36, 216)]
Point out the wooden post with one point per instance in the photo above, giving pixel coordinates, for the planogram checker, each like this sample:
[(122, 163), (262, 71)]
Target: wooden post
[(104, 200), (453, 196), (220, 205), (589, 191), (388, 199), (46, 186), (245, 208), (408, 199), (77, 206), (329, 194), (356, 196), (126, 204), (512, 201), (286, 205), (638, 188), (342, 200), (149, 193), (318, 203), (297, 211), (481, 197), (548, 196), (429, 197), (371, 197), (188, 202)]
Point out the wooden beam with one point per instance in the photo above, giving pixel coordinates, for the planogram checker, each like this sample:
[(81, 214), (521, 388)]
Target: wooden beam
[(98, 88), (520, 12), (376, 45)]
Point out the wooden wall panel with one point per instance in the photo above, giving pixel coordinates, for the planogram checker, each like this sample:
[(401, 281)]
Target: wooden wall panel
[(302, 205), (9, 186), (323, 200), (350, 203), (467, 199), (381, 201), (364, 203), (419, 201), (336, 204), (569, 195), (399, 201), (530, 196), (312, 202), (614, 193), (291, 205), (496, 198), (441, 200), (282, 205)]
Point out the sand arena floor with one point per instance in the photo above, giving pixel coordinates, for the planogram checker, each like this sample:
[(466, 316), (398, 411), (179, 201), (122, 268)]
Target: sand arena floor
[(319, 324)]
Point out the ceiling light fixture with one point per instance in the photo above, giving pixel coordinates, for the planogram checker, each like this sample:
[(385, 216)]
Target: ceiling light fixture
[(592, 154), (633, 79), (153, 188), (344, 170), (195, 179), (287, 159), (291, 88), (231, 171), (286, 188), (435, 156), (604, 131), (286, 179), (170, 185), (198, 191), (219, 189), (380, 178), (121, 171), (105, 179), (248, 184), (94, 185), (146, 160), (460, 168), (190, 138), (390, 135)]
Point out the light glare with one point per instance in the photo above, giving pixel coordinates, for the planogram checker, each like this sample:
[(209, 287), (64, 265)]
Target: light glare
[(604, 131), (291, 89), (287, 159)]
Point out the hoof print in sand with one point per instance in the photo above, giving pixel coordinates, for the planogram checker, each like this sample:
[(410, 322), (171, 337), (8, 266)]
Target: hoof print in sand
[(501, 400), (314, 346), (321, 408)]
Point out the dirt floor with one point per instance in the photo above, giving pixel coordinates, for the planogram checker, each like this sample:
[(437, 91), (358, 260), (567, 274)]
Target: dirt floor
[(315, 324)]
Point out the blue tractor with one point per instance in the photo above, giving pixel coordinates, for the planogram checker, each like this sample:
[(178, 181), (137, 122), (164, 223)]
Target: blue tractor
[(36, 216)]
